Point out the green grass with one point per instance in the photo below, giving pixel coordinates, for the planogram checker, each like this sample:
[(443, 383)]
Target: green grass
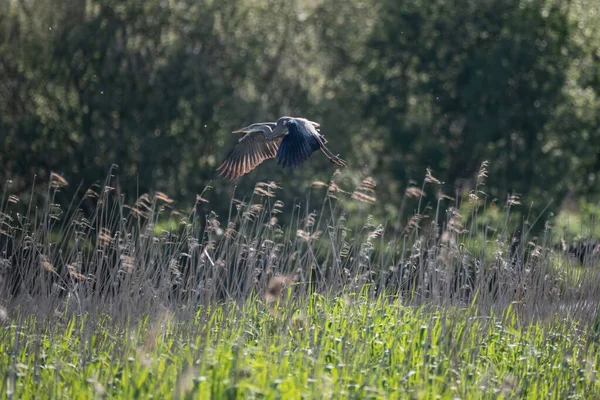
[(348, 347), (577, 225)]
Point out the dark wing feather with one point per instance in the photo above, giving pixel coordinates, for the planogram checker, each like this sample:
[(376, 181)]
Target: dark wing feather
[(251, 150), (296, 146), (314, 128)]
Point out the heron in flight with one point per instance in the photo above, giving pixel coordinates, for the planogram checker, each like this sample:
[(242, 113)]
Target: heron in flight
[(289, 140)]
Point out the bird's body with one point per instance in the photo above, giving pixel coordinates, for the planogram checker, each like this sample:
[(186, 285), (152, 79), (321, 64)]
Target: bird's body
[(289, 140)]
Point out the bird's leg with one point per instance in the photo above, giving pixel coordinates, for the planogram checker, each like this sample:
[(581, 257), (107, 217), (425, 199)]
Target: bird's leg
[(334, 159)]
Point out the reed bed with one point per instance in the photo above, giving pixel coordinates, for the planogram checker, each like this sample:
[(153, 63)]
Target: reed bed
[(108, 298)]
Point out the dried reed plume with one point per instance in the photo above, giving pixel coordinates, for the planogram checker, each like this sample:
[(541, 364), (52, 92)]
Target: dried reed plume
[(164, 198), (264, 189), (429, 178), (74, 272), (513, 200), (307, 236), (365, 191), (414, 192), (276, 287), (483, 173), (46, 264), (57, 181)]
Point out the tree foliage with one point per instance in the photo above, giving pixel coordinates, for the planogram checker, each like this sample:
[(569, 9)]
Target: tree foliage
[(157, 86)]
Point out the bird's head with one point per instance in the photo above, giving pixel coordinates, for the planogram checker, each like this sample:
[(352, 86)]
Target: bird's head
[(284, 122)]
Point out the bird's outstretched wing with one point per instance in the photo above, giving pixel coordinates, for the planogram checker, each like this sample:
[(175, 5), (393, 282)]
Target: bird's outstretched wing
[(251, 150), (268, 126), (297, 145)]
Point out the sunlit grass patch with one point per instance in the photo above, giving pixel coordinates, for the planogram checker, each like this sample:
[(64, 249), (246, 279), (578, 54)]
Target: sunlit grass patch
[(316, 348)]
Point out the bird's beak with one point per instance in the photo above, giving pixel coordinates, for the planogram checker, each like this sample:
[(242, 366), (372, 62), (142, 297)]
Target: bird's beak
[(238, 131)]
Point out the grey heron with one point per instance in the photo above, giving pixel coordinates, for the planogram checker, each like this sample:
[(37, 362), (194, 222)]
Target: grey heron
[(289, 140)]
